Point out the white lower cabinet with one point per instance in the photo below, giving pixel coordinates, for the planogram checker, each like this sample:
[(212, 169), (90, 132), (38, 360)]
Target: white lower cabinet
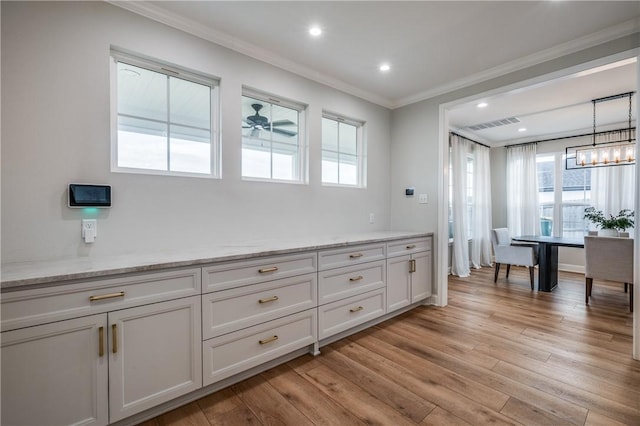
[(409, 275), (154, 355), (53, 374)]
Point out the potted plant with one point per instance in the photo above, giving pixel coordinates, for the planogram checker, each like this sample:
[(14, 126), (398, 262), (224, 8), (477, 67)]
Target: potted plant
[(611, 225)]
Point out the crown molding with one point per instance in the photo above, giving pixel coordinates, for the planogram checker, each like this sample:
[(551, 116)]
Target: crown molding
[(573, 46), (189, 26)]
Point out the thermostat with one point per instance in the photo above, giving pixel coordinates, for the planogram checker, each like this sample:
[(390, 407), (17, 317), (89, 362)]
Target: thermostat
[(85, 195), (409, 192)]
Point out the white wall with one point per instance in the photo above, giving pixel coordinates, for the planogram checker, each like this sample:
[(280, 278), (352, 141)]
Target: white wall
[(55, 116)]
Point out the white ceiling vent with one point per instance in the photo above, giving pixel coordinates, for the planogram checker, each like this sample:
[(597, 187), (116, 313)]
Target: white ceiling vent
[(497, 123)]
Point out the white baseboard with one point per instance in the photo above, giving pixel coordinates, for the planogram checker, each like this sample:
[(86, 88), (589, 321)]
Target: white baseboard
[(567, 267)]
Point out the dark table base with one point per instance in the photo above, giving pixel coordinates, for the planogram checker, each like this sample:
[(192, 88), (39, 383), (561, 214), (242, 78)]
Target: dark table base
[(548, 267)]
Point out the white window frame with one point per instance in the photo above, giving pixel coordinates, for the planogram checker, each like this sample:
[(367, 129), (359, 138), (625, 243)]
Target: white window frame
[(172, 71), (301, 172), (360, 150)]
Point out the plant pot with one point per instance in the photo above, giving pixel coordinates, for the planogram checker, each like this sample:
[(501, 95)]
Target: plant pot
[(608, 233)]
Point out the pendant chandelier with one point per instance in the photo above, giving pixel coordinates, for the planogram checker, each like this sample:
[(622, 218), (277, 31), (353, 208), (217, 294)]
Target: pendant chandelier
[(620, 152)]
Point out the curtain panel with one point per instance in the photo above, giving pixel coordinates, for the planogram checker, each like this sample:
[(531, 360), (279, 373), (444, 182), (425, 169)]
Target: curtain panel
[(523, 212)]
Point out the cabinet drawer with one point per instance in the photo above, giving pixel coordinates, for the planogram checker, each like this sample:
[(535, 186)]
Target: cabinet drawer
[(245, 272), (230, 310), (235, 352), (408, 246), (38, 306), (336, 284), (344, 314), (336, 258)]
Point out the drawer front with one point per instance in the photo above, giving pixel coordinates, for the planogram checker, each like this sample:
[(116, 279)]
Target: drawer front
[(337, 258), (336, 284), (408, 246), (344, 314), (231, 310), (236, 352), (43, 305), (245, 272)]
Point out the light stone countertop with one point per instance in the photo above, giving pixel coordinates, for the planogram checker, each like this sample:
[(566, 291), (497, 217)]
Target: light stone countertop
[(36, 273)]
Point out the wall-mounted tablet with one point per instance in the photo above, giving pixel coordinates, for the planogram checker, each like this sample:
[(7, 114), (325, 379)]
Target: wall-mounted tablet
[(85, 195)]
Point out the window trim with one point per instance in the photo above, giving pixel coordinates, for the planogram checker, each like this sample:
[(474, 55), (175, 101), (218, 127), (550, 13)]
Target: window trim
[(360, 151), (213, 83), (302, 163)]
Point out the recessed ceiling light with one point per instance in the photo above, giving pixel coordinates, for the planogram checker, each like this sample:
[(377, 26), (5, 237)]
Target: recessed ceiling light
[(522, 129), (315, 31), (385, 67), (482, 105)]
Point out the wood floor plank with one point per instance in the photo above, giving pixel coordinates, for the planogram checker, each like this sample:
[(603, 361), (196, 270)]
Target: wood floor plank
[(360, 402), (187, 415), (531, 415), (269, 406), (316, 406), (440, 417), (597, 419), (225, 408)]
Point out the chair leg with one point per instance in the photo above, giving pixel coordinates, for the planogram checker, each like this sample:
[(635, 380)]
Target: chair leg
[(531, 268), (626, 286), (587, 293), (495, 276), (508, 269), (631, 297)]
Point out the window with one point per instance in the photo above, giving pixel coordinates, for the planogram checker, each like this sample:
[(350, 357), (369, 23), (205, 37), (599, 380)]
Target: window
[(563, 195), (470, 191), (164, 119), (341, 151), (271, 139)]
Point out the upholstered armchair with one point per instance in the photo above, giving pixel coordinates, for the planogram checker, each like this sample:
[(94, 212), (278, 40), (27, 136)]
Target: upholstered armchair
[(512, 254), (610, 259)]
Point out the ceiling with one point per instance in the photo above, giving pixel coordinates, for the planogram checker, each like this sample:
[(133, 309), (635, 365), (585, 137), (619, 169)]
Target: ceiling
[(433, 47)]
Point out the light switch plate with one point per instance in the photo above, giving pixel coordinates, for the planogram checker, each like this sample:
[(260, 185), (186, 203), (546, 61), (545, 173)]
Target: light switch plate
[(423, 199)]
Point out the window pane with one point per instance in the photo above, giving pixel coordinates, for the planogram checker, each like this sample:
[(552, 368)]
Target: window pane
[(573, 223), (142, 144), (348, 139), (348, 169), (329, 167), (190, 103), (285, 158), (256, 164), (142, 93), (190, 150), (329, 134)]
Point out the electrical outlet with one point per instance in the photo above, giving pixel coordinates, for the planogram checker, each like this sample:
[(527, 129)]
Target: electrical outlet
[(423, 199), (372, 218), (89, 230)]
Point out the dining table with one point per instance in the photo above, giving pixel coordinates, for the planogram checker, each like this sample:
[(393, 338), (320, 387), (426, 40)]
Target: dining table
[(548, 257)]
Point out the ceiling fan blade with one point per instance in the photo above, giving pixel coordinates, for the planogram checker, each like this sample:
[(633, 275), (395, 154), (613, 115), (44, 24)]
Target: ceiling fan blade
[(284, 132), (283, 123)]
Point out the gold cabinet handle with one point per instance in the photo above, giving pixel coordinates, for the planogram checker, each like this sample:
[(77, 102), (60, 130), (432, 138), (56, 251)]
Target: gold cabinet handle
[(265, 270), (355, 255), (412, 265), (358, 278), (411, 246), (359, 308), (114, 338), (101, 341), (268, 299), (268, 340), (106, 296)]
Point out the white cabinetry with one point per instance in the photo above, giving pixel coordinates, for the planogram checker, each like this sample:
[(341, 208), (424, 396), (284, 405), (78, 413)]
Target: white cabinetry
[(126, 357), (257, 310), (351, 285), (409, 272)]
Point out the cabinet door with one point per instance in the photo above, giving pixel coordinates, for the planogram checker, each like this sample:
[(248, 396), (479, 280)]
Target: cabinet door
[(53, 374), (421, 277), (398, 282), (154, 355)]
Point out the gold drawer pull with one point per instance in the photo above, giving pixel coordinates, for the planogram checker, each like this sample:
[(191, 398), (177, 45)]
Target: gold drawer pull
[(359, 308), (355, 255), (106, 296), (101, 341), (412, 265), (268, 340), (358, 278), (411, 246), (268, 299), (265, 270), (114, 336)]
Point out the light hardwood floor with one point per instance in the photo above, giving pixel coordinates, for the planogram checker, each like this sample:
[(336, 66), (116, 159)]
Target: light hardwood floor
[(498, 354)]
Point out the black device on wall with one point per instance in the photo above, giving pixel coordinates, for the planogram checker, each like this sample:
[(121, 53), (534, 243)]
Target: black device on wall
[(86, 195)]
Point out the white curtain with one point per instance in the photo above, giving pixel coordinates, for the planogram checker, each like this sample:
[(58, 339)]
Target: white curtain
[(523, 213), (470, 171), (613, 188), (481, 216)]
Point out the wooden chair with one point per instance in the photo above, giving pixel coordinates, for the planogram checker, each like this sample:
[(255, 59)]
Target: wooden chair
[(512, 254), (611, 259)]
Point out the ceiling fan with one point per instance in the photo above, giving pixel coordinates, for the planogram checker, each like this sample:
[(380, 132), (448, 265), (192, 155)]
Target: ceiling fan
[(259, 122)]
